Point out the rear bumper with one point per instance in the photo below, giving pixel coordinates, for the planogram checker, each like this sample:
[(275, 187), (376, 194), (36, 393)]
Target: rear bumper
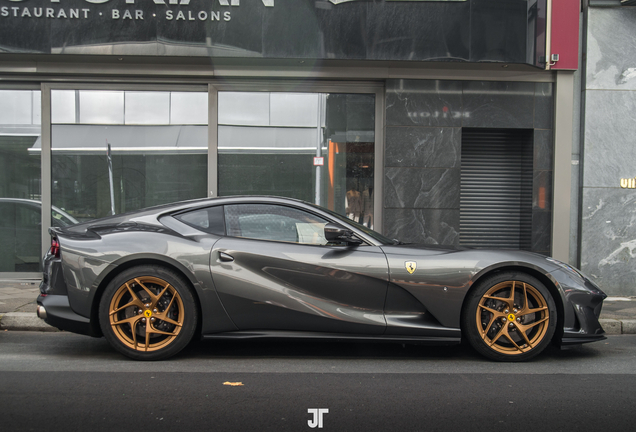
[(53, 303), (56, 311)]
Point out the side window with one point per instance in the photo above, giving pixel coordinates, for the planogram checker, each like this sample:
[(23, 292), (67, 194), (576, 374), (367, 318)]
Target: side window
[(210, 219), (7, 215), (274, 222), (27, 217)]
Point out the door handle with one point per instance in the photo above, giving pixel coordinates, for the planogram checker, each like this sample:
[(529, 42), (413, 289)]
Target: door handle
[(225, 257)]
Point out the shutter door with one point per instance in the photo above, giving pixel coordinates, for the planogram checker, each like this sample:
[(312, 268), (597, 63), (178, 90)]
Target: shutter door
[(496, 188)]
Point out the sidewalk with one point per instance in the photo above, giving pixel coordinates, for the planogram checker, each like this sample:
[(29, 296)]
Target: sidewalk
[(18, 304)]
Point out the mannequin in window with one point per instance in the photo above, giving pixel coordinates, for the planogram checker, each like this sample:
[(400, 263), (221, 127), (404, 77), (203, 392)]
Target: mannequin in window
[(353, 203)]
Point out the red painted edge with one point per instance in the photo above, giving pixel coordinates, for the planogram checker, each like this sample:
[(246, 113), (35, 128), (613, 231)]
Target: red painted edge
[(565, 33)]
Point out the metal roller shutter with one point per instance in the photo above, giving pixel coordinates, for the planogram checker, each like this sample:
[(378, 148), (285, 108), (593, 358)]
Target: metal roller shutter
[(496, 188)]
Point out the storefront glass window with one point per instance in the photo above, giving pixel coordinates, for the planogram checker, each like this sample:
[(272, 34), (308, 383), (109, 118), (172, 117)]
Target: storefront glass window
[(158, 150), (317, 147), (20, 190)]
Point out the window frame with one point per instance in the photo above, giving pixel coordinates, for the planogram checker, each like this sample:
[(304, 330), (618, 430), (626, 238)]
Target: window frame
[(375, 88)]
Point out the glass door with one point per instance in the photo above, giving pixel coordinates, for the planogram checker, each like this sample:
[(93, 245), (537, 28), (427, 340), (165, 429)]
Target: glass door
[(20, 185), (317, 147), (114, 151)]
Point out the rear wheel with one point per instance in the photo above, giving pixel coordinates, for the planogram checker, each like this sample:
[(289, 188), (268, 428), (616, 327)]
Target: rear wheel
[(510, 317), (148, 313)]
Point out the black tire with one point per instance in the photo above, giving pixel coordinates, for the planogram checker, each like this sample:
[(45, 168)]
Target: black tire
[(148, 296), (501, 324)]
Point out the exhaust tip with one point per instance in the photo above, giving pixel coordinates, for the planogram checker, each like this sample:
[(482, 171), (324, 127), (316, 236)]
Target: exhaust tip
[(41, 311)]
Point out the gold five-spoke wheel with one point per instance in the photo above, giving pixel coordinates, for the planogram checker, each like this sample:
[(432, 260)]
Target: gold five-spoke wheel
[(509, 316), (512, 317), (148, 312)]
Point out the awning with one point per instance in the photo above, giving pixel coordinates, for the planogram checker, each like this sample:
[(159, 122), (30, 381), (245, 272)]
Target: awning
[(92, 139)]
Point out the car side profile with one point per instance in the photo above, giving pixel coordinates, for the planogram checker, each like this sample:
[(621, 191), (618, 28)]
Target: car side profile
[(267, 267)]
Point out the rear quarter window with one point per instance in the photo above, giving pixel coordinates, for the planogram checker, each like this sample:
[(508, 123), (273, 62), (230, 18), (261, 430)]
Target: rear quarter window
[(210, 219)]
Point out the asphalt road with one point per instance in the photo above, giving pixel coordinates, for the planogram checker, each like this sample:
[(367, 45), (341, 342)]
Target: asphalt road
[(65, 382)]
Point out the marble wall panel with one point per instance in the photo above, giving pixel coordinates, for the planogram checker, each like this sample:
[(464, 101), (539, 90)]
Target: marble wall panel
[(543, 106), (611, 48), (498, 104), (423, 150), (425, 226), (608, 239), (542, 190), (609, 138), (423, 147), (423, 103), (437, 188), (541, 232), (543, 149)]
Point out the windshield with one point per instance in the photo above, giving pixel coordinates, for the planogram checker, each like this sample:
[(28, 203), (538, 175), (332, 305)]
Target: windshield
[(377, 236)]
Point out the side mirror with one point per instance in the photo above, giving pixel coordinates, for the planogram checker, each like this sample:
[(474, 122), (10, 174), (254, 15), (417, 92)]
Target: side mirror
[(335, 232)]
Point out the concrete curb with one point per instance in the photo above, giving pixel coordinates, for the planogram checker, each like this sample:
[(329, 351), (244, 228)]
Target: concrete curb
[(614, 327), (28, 321)]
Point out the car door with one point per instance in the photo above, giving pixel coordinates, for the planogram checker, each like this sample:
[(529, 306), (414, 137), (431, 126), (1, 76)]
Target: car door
[(276, 271)]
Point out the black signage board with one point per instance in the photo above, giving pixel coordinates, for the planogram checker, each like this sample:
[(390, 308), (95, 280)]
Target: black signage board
[(510, 31)]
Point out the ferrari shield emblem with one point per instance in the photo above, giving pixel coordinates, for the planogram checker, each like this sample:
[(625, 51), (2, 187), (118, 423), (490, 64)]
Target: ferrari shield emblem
[(410, 266)]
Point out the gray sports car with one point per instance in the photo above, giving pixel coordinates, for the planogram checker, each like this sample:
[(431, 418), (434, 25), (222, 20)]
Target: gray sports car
[(267, 267)]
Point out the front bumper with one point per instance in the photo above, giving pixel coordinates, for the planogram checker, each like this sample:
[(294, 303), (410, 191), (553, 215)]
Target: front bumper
[(583, 301)]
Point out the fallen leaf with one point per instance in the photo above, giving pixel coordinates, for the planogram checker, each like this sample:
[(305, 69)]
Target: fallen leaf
[(233, 384)]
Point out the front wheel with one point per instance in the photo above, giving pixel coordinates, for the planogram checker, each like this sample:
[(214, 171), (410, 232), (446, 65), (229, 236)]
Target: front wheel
[(509, 317), (148, 313)]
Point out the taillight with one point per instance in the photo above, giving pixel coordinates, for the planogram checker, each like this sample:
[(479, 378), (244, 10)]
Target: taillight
[(55, 247)]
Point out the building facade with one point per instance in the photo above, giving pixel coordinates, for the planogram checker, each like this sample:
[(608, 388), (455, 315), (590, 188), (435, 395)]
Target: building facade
[(440, 122), (608, 153)]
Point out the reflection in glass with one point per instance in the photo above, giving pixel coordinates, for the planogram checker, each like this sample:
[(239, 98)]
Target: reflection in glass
[(294, 109), (188, 108), (149, 164), (244, 108), (63, 106), (101, 107), (16, 107), (268, 144), (20, 190), (147, 108)]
